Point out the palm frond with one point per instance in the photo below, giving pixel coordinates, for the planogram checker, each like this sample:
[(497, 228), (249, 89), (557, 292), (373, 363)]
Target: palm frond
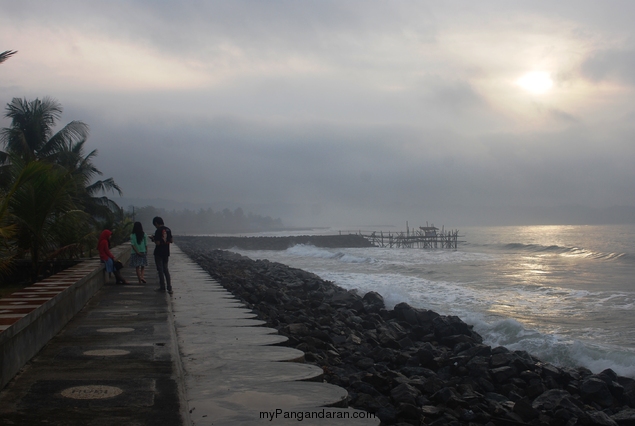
[(106, 202), (105, 185), (32, 123), (73, 132), (6, 55)]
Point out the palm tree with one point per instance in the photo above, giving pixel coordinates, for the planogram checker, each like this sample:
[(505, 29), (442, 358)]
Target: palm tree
[(71, 156), (6, 55), (31, 133), (88, 193), (31, 137), (46, 183), (8, 231), (38, 202)]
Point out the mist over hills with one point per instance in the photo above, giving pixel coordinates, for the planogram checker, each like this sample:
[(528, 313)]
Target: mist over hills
[(205, 221), (188, 217)]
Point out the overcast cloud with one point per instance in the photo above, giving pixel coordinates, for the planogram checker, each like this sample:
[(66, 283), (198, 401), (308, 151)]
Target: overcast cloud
[(343, 113)]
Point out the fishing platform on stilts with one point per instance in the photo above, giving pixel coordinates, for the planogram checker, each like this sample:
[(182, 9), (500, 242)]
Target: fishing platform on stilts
[(426, 237)]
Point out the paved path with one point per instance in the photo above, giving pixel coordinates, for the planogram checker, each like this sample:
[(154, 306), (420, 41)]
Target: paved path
[(111, 365), (233, 375), (118, 363)]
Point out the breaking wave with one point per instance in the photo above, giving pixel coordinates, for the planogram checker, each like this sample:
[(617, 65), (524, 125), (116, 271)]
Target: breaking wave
[(302, 250), (569, 251)]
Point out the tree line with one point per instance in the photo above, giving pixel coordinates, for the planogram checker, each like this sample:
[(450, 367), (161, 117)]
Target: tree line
[(53, 203), (52, 206), (207, 221)]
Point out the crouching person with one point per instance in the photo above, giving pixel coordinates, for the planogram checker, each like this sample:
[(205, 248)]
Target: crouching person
[(106, 256)]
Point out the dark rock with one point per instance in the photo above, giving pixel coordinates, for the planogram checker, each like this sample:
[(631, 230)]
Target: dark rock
[(445, 326), (493, 396), (405, 393), (479, 367), (501, 359), (598, 418), (550, 399), (365, 363), (373, 302), (536, 387), (366, 402), (388, 415), (407, 313), (417, 371), (503, 374), (378, 381), (362, 387), (398, 363), (596, 390), (625, 417), (381, 354), (430, 410), (477, 350), (525, 410), (628, 396), (408, 411), (444, 395), (549, 370)]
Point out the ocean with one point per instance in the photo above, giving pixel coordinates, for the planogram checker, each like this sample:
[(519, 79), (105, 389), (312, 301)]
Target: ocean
[(565, 294)]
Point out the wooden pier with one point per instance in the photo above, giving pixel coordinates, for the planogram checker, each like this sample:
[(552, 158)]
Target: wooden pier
[(426, 237)]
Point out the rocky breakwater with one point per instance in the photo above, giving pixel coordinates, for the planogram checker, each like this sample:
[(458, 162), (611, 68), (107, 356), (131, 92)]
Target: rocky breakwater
[(276, 243), (414, 366)]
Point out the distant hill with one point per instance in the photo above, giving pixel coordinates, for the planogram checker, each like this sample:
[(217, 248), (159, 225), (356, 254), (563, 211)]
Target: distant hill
[(206, 221)]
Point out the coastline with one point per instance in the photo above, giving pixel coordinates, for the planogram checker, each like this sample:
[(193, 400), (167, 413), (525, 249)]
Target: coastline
[(279, 243), (412, 365)]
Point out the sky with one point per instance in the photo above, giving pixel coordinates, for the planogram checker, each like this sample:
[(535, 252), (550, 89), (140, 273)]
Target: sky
[(344, 113)]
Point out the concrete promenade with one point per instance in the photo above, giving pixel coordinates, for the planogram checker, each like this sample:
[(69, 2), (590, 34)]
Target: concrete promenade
[(133, 356), (112, 364)]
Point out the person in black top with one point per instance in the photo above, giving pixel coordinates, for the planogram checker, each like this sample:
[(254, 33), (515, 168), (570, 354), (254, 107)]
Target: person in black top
[(162, 238)]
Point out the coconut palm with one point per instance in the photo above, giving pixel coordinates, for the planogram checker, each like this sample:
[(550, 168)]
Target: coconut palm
[(46, 180), (6, 55), (38, 203), (31, 137), (31, 133), (8, 231), (71, 156)]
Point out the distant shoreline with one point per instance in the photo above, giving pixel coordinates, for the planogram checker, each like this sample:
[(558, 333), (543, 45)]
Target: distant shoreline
[(278, 243)]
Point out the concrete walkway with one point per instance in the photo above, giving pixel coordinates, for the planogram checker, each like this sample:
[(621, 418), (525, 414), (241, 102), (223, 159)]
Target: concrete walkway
[(233, 376), (118, 363), (113, 364)]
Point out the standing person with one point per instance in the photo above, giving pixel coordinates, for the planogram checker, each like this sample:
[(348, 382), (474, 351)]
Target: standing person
[(139, 256), (106, 256), (162, 238)]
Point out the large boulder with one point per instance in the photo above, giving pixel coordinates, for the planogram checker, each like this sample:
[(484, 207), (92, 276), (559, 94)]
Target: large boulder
[(373, 302)]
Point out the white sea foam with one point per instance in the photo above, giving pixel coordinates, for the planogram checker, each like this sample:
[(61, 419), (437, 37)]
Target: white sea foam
[(302, 250), (548, 295), (554, 348)]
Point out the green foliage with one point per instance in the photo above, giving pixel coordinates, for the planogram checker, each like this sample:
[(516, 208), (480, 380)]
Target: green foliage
[(51, 206), (31, 133)]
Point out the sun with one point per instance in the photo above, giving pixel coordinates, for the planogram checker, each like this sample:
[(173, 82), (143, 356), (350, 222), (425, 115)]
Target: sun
[(536, 82)]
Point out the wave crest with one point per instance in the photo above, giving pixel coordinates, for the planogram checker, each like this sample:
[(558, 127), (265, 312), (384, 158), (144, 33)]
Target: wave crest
[(570, 251), (552, 348), (304, 250)]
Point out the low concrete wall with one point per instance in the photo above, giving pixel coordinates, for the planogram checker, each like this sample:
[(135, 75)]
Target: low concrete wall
[(38, 312)]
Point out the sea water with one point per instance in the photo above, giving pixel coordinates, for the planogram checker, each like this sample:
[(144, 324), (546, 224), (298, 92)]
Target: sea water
[(565, 294)]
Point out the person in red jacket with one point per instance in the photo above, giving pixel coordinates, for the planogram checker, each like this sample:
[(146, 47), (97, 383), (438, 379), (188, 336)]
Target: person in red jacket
[(106, 256)]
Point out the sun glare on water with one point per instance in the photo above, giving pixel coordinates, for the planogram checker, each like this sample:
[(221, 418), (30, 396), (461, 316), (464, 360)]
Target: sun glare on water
[(536, 82)]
